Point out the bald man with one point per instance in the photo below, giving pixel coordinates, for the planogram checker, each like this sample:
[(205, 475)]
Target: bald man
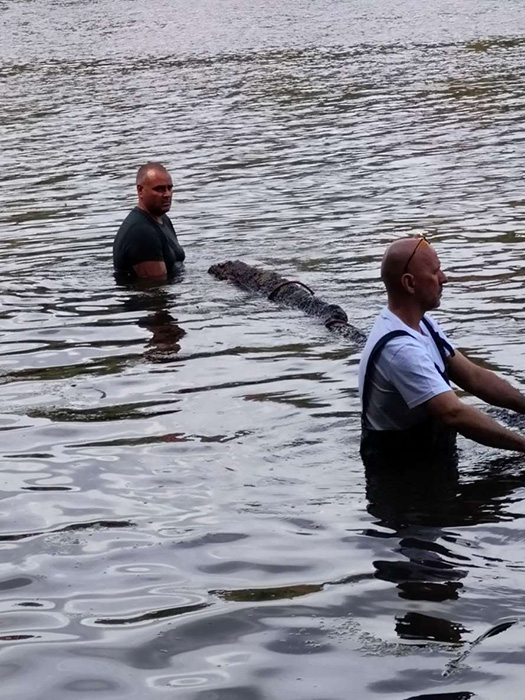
[(409, 409), (146, 245)]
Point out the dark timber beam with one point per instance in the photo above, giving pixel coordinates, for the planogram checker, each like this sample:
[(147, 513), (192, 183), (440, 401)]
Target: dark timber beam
[(288, 292)]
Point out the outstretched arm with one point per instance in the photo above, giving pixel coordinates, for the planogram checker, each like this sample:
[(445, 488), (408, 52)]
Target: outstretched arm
[(473, 424), (484, 384)]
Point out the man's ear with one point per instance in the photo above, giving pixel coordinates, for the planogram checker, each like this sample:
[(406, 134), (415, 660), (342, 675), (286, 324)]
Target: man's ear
[(407, 282)]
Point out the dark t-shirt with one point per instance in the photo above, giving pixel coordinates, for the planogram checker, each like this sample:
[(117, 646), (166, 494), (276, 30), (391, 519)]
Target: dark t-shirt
[(140, 238)]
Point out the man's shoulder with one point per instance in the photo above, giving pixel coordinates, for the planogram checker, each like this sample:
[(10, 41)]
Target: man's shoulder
[(133, 217), (136, 220), (405, 343), (402, 350), (387, 322)]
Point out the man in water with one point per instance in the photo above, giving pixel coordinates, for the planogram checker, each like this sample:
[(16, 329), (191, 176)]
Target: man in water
[(146, 244), (409, 410)]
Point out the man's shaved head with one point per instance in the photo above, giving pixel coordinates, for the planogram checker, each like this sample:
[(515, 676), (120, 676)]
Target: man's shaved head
[(396, 257), (154, 189), (412, 275), (143, 171)]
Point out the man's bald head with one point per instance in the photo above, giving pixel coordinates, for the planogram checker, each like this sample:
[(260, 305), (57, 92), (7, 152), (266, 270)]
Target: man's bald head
[(412, 275), (143, 172), (396, 257), (154, 189)]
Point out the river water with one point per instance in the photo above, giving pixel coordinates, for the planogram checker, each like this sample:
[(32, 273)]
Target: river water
[(184, 512)]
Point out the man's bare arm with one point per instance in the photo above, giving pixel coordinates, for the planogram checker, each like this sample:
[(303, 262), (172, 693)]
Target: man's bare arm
[(151, 269), (485, 384), (473, 424)]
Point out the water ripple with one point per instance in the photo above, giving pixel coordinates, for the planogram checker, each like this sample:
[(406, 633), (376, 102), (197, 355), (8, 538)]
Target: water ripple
[(184, 508)]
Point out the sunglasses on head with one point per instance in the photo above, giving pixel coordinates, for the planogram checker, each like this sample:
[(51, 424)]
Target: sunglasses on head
[(422, 238)]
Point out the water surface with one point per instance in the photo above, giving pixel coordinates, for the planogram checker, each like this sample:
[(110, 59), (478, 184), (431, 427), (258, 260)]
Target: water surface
[(185, 514)]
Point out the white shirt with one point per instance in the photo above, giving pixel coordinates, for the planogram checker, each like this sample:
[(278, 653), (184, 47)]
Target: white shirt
[(405, 374)]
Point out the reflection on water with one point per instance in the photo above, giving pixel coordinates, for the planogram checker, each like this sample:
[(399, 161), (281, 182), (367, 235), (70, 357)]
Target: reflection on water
[(416, 508), (419, 507), (154, 305), (184, 511)]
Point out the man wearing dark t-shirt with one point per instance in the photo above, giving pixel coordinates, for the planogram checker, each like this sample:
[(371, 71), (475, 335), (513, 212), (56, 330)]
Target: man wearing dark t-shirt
[(146, 244)]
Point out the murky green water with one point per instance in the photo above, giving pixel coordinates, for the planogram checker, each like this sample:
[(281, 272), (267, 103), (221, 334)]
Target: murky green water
[(184, 513)]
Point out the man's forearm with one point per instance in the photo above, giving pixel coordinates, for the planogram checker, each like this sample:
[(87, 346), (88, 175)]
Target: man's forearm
[(476, 425), (498, 392), (485, 384)]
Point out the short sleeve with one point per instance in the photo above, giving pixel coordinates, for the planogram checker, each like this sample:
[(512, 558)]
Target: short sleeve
[(411, 371), (143, 244)]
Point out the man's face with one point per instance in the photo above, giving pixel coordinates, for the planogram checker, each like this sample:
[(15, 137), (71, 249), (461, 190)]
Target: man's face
[(429, 278), (155, 192)]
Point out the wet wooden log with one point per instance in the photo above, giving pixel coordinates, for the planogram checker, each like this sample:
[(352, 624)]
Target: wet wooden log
[(291, 293)]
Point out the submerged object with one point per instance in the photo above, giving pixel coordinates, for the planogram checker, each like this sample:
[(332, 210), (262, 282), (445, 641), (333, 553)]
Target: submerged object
[(291, 293), (454, 665)]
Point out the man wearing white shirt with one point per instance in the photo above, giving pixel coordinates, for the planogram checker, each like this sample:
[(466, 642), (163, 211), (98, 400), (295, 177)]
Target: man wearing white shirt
[(409, 408)]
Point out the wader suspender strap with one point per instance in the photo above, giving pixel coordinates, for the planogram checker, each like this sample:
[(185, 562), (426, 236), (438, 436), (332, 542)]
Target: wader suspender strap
[(440, 343), (370, 365), (442, 346)]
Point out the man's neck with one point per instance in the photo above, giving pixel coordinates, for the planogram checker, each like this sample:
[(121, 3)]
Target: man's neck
[(409, 315), (153, 216)]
